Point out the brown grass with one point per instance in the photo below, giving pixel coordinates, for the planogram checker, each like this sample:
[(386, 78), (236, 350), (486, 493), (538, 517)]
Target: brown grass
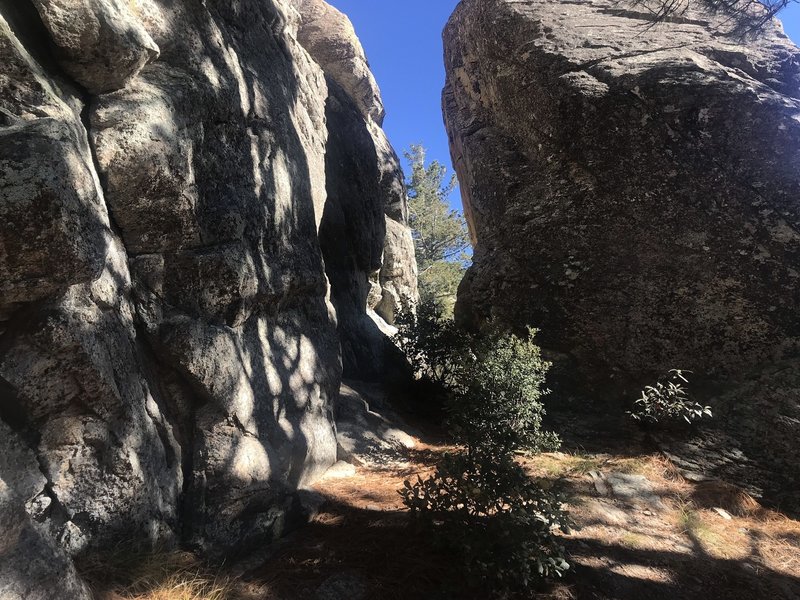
[(160, 574), (711, 494)]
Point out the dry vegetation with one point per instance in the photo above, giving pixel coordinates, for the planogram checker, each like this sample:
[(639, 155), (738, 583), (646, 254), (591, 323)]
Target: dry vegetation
[(128, 574), (687, 548), (706, 540)]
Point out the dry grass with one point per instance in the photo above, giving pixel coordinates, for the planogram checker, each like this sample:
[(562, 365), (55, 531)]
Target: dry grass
[(161, 574), (657, 468), (754, 533), (779, 545), (711, 494), (556, 465), (712, 537), (635, 541), (689, 526)]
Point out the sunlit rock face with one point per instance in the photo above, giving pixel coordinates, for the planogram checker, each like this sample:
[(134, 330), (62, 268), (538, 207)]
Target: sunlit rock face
[(169, 353), (632, 188), (329, 37)]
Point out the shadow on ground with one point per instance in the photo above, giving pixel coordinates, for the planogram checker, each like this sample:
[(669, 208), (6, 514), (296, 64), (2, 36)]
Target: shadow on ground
[(668, 539), (364, 542)]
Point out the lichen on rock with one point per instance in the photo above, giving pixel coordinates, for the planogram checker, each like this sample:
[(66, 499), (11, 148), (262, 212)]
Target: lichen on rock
[(632, 189)]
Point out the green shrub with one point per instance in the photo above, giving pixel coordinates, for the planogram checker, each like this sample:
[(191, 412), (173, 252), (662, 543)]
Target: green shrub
[(493, 381), (668, 400), (432, 343), (497, 403), (494, 517), (480, 503)]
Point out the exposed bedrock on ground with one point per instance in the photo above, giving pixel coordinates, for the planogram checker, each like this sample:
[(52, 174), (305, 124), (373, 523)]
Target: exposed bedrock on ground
[(176, 196), (632, 190)]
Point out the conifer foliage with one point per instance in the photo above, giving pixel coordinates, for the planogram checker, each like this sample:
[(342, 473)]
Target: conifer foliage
[(440, 233)]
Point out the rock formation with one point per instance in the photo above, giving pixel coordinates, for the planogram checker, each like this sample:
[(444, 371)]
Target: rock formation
[(368, 249), (176, 193), (632, 189)]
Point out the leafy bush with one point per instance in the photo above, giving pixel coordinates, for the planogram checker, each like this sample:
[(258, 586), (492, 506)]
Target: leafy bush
[(497, 403), (494, 516), (493, 381), (480, 502), (432, 343), (668, 400)]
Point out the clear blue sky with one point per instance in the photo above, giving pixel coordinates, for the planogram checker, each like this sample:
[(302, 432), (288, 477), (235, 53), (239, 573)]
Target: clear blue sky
[(403, 41)]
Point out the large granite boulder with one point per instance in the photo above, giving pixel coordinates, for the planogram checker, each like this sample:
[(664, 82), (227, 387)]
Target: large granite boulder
[(631, 187), (329, 37), (102, 44), (169, 351)]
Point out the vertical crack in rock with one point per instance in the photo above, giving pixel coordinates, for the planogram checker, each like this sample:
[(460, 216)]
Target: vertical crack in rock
[(366, 241)]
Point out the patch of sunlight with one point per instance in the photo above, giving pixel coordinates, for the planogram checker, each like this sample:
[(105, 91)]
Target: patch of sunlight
[(559, 464), (643, 573), (635, 541), (718, 539)]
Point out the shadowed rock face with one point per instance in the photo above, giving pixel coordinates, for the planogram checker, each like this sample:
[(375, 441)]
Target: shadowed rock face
[(366, 242), (169, 355), (632, 189)]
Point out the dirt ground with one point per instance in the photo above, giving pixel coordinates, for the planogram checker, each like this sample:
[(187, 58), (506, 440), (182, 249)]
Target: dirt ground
[(663, 538), (681, 540)]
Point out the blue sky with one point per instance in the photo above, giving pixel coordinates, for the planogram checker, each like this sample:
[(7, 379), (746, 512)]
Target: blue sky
[(403, 41)]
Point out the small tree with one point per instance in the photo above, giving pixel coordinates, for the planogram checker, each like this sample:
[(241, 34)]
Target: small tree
[(480, 503), (740, 17), (440, 234)]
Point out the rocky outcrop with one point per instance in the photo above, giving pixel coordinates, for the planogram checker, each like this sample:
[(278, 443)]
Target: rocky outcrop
[(369, 431), (329, 37), (169, 354), (368, 249), (631, 187), (361, 244), (102, 44)]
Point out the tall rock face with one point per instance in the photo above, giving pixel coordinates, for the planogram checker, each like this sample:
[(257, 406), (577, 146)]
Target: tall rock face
[(169, 354), (632, 189), (368, 248)]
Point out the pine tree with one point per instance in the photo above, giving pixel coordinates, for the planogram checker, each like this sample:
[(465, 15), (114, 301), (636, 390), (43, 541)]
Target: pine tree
[(440, 233), (740, 18)]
